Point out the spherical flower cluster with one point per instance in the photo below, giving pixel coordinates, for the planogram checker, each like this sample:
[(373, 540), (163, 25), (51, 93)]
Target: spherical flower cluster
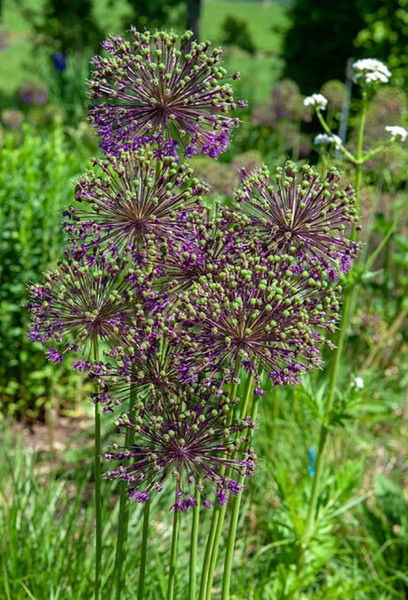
[(33, 94), (162, 85), (210, 243), (267, 311), (324, 138), (150, 360), (131, 202), (300, 213), (185, 438), (168, 299), (80, 305), (397, 133), (316, 101), (370, 71)]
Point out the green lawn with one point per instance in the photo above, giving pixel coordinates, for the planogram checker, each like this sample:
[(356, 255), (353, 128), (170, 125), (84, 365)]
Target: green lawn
[(266, 25)]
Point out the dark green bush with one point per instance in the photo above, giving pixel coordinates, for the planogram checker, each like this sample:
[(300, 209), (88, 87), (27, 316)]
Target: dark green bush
[(320, 41), (236, 33), (35, 173), (325, 35)]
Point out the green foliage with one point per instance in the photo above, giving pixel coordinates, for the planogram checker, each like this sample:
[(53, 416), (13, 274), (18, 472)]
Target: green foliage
[(387, 524), (236, 33), (64, 25), (385, 36), (320, 41), (148, 14), (324, 36), (35, 174)]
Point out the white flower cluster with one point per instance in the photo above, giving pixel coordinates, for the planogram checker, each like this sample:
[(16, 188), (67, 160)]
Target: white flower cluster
[(323, 138), (316, 101), (368, 71), (397, 133)]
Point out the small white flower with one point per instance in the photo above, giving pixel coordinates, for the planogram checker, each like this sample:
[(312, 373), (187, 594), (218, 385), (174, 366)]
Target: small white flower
[(368, 71), (323, 138), (316, 101), (397, 133), (358, 383)]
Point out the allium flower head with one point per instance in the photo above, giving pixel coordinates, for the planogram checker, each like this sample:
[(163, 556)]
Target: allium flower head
[(187, 439), (81, 304), (33, 93), (132, 202), (300, 212), (12, 118), (209, 243), (160, 82), (286, 100), (317, 101), (336, 93), (397, 133), (370, 71), (150, 361), (268, 312)]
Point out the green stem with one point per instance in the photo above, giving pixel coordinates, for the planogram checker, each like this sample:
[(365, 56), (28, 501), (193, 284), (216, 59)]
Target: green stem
[(324, 428), (345, 320), (359, 159), (327, 130), (194, 546), (98, 495), (226, 582), (118, 569), (217, 509), (222, 509), (143, 550), (123, 523), (173, 555), (371, 259)]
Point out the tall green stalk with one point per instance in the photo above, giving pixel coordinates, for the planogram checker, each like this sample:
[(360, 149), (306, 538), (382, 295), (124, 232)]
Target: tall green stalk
[(211, 541), (123, 522), (143, 550), (226, 582), (346, 315), (98, 495), (222, 509), (173, 555), (194, 547)]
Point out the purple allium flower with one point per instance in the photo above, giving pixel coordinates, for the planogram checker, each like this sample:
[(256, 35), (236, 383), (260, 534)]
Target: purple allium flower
[(150, 361), (33, 93), (185, 438), (80, 304), (160, 82), (12, 118), (209, 242), (133, 202), (299, 212), (270, 312)]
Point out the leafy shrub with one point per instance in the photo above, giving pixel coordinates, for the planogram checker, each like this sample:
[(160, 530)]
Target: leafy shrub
[(236, 33), (34, 172)]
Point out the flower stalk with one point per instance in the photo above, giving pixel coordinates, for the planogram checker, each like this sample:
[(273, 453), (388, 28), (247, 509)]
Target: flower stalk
[(173, 556), (143, 550)]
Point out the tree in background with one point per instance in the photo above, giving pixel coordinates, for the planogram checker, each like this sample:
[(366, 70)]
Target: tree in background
[(65, 25), (320, 41), (324, 36), (385, 36), (148, 14)]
